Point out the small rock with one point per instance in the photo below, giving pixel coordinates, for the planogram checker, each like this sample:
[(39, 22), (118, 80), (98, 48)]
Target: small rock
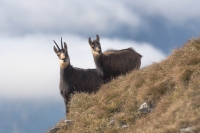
[(54, 130), (68, 121), (144, 108), (125, 126), (112, 122), (187, 130)]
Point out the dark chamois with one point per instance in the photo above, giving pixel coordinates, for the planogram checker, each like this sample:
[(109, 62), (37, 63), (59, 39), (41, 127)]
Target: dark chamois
[(112, 63), (74, 79)]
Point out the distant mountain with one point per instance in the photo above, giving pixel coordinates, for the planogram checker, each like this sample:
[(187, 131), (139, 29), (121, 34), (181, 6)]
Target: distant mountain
[(29, 116)]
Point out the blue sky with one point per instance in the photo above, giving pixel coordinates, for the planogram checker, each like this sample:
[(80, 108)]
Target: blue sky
[(29, 67)]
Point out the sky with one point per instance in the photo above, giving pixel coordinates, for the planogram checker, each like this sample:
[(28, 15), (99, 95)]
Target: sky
[(29, 68), (164, 24)]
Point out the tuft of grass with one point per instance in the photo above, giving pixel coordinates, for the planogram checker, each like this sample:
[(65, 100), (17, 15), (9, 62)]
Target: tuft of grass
[(186, 76), (171, 88)]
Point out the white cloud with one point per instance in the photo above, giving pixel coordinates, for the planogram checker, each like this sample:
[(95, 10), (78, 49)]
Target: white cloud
[(124, 19), (73, 16), (30, 69), (88, 17)]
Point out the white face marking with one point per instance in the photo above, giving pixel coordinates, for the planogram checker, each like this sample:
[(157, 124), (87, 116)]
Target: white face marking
[(62, 55), (63, 60), (64, 63), (96, 50), (95, 53)]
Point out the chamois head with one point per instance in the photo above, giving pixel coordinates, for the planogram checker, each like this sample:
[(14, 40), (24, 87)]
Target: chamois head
[(95, 45), (62, 54)]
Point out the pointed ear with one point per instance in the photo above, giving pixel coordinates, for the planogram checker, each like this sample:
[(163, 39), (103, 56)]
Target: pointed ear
[(55, 50), (65, 46), (97, 38), (89, 41)]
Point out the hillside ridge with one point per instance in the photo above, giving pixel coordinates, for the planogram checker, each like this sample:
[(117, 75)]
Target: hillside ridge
[(171, 88)]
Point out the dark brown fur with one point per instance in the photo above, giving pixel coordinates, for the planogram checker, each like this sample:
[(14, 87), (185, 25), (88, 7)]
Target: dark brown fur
[(74, 79), (113, 63)]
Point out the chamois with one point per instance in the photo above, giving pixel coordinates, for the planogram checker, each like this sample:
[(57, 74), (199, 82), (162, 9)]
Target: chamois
[(113, 63), (74, 79)]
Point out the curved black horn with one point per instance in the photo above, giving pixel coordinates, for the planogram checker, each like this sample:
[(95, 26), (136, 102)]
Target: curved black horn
[(57, 45), (61, 44)]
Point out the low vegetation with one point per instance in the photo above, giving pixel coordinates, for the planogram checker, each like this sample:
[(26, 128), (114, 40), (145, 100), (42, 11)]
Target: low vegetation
[(171, 88)]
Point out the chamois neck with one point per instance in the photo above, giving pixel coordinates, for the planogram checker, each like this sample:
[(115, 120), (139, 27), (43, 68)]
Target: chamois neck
[(66, 72), (99, 64), (98, 59)]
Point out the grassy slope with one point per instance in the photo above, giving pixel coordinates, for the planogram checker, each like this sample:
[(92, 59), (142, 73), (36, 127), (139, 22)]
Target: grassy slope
[(171, 87)]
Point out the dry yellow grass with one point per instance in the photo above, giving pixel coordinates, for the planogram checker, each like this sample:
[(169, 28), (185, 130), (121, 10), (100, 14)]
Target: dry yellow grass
[(171, 88)]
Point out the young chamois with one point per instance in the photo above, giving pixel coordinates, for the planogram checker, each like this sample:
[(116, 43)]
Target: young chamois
[(74, 79), (112, 63)]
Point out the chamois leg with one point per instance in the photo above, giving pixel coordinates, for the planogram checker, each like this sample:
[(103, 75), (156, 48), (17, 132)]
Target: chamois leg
[(68, 121), (66, 106)]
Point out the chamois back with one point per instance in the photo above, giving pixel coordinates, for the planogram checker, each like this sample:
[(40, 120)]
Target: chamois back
[(122, 60), (113, 63)]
